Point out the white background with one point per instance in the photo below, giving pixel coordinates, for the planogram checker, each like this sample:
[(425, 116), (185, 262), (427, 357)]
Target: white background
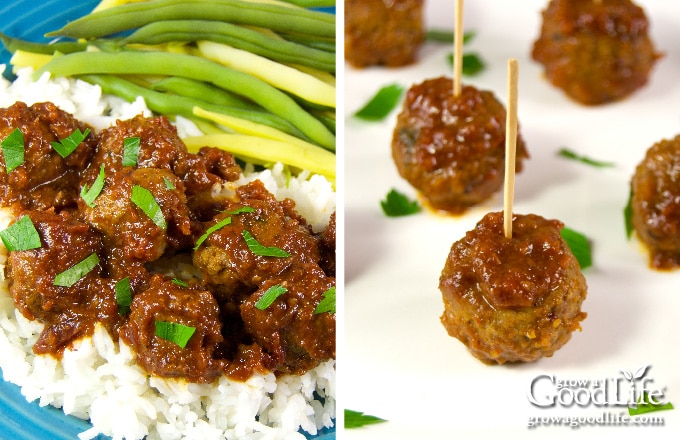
[(397, 361)]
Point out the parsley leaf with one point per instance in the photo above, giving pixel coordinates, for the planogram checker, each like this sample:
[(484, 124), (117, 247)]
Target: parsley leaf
[(13, 150), (327, 304), (263, 251), (74, 273), (68, 145), (268, 298), (21, 236), (628, 214), (168, 184), (579, 245), (472, 64), (123, 295), (397, 204), (89, 195), (145, 201), (357, 419), (446, 36), (180, 283), (130, 151), (566, 153), (174, 332), (381, 104), (219, 225)]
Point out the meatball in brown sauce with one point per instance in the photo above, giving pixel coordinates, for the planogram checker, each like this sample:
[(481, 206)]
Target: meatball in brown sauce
[(655, 203), (512, 299), (452, 148), (596, 51)]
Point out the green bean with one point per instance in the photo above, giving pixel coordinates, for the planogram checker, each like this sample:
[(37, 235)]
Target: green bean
[(236, 36), (13, 44), (134, 15), (311, 3), (188, 66), (180, 105), (325, 44), (200, 90)]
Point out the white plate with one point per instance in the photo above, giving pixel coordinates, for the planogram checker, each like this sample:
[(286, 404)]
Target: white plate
[(398, 362)]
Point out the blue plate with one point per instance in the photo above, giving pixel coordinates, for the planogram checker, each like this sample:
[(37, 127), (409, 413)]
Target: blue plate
[(20, 420)]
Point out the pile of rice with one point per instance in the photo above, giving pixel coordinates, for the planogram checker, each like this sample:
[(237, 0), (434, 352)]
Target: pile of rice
[(99, 380)]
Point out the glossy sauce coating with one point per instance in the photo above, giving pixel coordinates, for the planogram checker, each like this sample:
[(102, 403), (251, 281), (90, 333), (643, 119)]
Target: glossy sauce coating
[(656, 203), (382, 32), (597, 52), (285, 338), (511, 300), (452, 148)]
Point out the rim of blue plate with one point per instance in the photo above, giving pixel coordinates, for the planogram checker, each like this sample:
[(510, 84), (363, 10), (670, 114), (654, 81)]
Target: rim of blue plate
[(23, 420)]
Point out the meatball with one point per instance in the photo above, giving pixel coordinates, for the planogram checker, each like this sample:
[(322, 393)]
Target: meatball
[(166, 301), (289, 329), (159, 145), (225, 260), (512, 300), (327, 247), (383, 32), (69, 312), (132, 238), (45, 179), (452, 148), (655, 203), (597, 52)]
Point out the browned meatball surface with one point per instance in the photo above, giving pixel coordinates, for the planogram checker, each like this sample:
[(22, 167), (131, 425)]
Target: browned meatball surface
[(656, 203), (225, 259), (194, 307), (452, 148), (512, 300), (597, 52), (383, 32), (289, 329), (130, 235), (68, 312), (45, 179)]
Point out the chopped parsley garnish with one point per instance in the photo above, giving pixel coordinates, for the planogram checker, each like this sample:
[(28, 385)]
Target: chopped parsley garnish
[(180, 283), (219, 225), (21, 236), (628, 214), (263, 251), (446, 36), (241, 210), (327, 304), (579, 245), (268, 298), (123, 295), (13, 150), (90, 194), (566, 153), (382, 103), (130, 151), (174, 332), (168, 184), (357, 419), (68, 145), (145, 201), (397, 204), (472, 64), (74, 273)]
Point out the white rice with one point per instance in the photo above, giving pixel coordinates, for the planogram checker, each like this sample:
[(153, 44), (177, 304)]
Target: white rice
[(99, 380)]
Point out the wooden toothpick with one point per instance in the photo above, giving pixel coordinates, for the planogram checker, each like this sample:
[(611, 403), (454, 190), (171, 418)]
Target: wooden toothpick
[(458, 48), (510, 147)]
